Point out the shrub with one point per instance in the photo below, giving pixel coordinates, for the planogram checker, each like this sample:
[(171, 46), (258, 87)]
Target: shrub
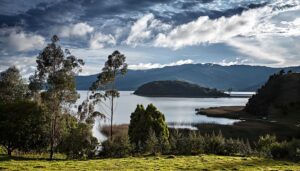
[(119, 146), (79, 143), (294, 149), (264, 144), (279, 150), (214, 144)]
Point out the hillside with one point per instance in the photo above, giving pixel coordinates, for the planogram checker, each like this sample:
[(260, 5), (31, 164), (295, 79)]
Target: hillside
[(278, 99), (237, 77), (176, 89)]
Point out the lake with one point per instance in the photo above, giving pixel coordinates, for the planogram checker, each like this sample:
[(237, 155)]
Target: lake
[(179, 112)]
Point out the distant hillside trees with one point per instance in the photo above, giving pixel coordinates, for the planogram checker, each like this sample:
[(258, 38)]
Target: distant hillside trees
[(148, 129), (280, 96)]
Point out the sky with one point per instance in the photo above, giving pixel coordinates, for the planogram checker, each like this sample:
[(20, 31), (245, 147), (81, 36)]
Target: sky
[(152, 33)]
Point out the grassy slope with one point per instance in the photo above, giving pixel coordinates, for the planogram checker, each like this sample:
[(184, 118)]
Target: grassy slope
[(208, 162)]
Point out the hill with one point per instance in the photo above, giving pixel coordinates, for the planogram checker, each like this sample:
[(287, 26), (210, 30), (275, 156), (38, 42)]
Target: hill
[(237, 77), (278, 99), (176, 89)]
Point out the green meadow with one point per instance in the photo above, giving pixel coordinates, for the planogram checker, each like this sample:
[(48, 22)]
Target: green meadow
[(201, 162)]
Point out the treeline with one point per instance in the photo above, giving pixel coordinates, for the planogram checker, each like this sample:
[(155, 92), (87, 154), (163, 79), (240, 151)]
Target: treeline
[(147, 135), (40, 115)]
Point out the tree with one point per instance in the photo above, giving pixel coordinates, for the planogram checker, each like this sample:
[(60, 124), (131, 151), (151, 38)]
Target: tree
[(105, 85), (22, 122), (12, 86), (79, 142), (23, 126), (142, 121), (55, 74)]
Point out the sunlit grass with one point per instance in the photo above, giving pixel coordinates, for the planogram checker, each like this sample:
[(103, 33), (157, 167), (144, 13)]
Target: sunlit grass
[(208, 162)]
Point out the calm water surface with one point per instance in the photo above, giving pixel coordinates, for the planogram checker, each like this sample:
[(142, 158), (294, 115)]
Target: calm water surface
[(179, 112)]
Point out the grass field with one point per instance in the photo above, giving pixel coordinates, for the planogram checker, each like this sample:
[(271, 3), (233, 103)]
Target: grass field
[(203, 162)]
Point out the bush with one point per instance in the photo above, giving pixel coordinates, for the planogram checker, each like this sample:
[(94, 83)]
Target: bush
[(214, 144), (79, 143), (279, 150), (119, 146), (232, 147), (191, 144), (264, 145), (294, 149), (2, 150)]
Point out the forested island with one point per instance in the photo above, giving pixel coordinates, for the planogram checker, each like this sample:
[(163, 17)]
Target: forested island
[(175, 88)]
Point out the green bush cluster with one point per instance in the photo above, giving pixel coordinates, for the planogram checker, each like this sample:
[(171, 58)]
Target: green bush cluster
[(269, 146), (194, 143)]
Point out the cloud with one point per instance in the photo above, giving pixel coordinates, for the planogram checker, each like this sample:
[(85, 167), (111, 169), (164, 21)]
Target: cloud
[(144, 29), (99, 41), (26, 65), (76, 30), (205, 30), (17, 40), (236, 61), (145, 66)]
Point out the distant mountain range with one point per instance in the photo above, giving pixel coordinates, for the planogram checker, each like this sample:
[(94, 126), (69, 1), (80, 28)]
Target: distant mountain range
[(235, 77)]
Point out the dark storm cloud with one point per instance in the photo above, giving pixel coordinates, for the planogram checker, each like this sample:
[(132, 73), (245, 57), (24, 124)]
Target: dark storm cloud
[(188, 15), (45, 15)]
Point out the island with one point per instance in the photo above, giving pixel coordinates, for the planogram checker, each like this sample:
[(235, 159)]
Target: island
[(175, 88)]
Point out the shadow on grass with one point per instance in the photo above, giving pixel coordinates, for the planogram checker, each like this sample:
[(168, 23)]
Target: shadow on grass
[(245, 163), (4, 157)]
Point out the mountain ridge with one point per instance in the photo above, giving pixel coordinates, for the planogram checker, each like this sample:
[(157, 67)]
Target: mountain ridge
[(235, 77)]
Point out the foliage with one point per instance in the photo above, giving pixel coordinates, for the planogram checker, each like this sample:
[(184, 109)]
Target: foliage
[(118, 146), (79, 143), (286, 150), (265, 143), (104, 87), (55, 74), (12, 86), (188, 144), (278, 97), (143, 121), (214, 143), (23, 126)]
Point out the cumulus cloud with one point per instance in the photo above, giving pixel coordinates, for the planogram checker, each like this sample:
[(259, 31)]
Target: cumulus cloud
[(205, 30), (99, 41), (76, 30), (145, 66), (144, 29), (17, 40)]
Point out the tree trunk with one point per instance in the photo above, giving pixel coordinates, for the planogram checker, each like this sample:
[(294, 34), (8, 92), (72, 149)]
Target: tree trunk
[(53, 127), (111, 117), (9, 151), (51, 150)]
